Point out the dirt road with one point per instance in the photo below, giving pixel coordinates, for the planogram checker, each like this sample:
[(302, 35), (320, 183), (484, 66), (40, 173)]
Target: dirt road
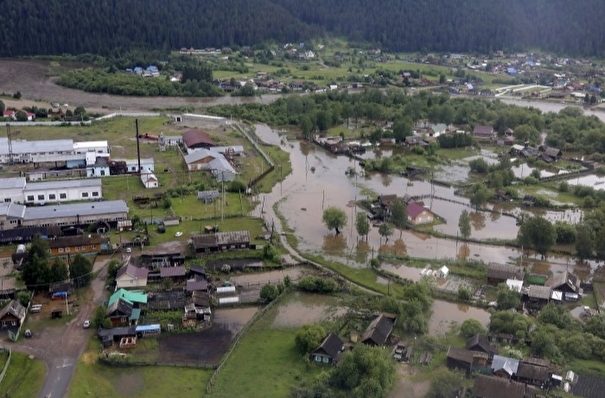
[(60, 347), (30, 78)]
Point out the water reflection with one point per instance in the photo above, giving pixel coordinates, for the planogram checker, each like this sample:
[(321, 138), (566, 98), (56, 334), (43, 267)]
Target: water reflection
[(477, 220), (464, 252), (362, 252), (334, 244)]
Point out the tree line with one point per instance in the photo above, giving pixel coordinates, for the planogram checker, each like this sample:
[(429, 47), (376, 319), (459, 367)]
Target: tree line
[(110, 26)]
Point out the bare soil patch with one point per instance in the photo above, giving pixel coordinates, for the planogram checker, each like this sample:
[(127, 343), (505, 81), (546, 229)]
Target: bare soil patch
[(203, 348)]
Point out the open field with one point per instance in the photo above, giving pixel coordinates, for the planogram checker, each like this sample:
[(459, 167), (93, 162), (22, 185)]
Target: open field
[(273, 347), (94, 379), (24, 377)]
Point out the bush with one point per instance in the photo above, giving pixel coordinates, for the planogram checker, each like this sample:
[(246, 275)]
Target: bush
[(269, 293), (316, 284), (308, 338), (471, 327)]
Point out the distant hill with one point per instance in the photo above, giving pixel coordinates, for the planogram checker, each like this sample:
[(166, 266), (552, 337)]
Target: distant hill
[(104, 26)]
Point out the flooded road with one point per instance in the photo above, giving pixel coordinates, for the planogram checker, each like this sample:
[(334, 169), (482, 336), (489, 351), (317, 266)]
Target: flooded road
[(446, 314)]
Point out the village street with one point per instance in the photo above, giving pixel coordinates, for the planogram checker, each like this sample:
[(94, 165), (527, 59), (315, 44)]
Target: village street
[(60, 347)]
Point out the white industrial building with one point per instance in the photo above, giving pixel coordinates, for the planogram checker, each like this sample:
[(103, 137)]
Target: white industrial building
[(24, 151), (17, 190), (211, 160)]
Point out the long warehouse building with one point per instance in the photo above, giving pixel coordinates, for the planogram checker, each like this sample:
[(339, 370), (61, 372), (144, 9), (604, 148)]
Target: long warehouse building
[(18, 190)]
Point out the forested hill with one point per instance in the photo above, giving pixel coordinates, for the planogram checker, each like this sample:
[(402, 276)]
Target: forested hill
[(564, 26), (102, 26)]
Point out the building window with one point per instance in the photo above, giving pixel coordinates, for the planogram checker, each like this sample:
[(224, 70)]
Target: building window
[(317, 358), (52, 196), (84, 194), (14, 323), (102, 172), (326, 360), (77, 248), (62, 196), (60, 250), (30, 198), (7, 200), (67, 249), (40, 197), (95, 194)]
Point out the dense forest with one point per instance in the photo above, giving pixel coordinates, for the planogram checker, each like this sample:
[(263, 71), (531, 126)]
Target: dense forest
[(110, 26)]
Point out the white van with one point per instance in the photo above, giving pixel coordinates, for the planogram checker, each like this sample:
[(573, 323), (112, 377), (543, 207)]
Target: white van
[(35, 308)]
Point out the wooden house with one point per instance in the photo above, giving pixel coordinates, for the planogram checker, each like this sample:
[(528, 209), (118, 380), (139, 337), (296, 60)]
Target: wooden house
[(481, 343), (328, 351), (122, 313), (221, 241), (12, 315), (130, 276), (79, 244), (499, 273), (379, 330), (464, 360), (496, 387)]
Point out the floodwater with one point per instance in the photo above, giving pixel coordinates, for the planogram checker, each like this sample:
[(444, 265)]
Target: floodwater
[(303, 309), (234, 319), (592, 180), (318, 181), (524, 170), (263, 278), (445, 314)]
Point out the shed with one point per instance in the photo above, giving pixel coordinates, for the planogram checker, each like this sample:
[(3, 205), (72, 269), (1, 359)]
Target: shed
[(379, 330), (443, 272), (514, 285), (496, 387), (505, 366), (481, 343), (499, 273), (197, 139), (225, 290), (228, 300), (148, 330)]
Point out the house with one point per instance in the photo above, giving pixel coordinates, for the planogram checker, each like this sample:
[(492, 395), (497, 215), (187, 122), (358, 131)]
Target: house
[(465, 360), (504, 367), (436, 130), (328, 350), (136, 298), (481, 343), (418, 214), (499, 273), (197, 309), (297, 86), (551, 152), (196, 286), (530, 373), (12, 315), (484, 132), (177, 274), (539, 295), (221, 241), (412, 141), (78, 244), (588, 386), (565, 282), (379, 330), (149, 179), (197, 139), (130, 276), (109, 336), (496, 387), (122, 313)]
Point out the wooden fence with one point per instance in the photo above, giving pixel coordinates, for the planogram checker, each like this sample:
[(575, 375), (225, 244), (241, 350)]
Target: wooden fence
[(8, 361)]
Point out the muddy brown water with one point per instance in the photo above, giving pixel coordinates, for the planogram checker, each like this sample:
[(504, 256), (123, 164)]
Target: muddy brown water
[(445, 314), (262, 278), (303, 309), (318, 181)]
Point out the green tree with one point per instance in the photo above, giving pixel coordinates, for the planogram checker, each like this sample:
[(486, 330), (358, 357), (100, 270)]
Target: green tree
[(600, 244), (334, 219), (306, 126), (80, 111), (507, 298), (269, 292), (402, 128), (543, 342), (464, 294), (445, 383), (80, 271), (308, 338), (99, 316), (23, 297), (464, 224), (537, 233), (584, 241), (385, 230), (479, 165), (399, 215), (21, 116), (2, 106), (365, 372), (362, 224), (471, 327), (58, 271), (36, 270), (479, 197)]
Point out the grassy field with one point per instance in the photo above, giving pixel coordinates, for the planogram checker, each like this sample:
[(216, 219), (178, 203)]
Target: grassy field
[(94, 379), (265, 363), (24, 378)]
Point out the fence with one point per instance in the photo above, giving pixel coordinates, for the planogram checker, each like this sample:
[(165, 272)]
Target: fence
[(126, 364), (8, 361), (239, 335)]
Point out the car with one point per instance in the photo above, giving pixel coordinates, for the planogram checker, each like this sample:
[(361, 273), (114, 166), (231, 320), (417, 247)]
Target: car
[(86, 324), (28, 333), (128, 250)]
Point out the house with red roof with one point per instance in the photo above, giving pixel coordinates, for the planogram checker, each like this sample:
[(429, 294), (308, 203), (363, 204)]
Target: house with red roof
[(417, 214)]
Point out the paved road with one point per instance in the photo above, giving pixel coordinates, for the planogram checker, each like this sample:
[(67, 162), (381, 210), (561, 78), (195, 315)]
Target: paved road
[(60, 347)]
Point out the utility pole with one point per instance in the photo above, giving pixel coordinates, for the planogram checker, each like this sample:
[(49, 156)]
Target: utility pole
[(223, 201), (136, 124)]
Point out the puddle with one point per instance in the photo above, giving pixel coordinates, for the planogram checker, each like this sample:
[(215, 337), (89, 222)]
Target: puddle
[(446, 314), (304, 309), (234, 319)]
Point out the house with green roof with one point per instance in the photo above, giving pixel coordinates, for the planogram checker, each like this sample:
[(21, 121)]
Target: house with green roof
[(135, 298)]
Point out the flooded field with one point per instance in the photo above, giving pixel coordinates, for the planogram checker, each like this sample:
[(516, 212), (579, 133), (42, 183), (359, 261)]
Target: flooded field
[(234, 319), (446, 314), (263, 278), (302, 309), (590, 181)]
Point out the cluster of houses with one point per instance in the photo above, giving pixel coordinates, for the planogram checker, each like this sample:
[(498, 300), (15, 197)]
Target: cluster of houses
[(559, 288), (11, 114), (543, 152), (497, 376), (150, 71), (202, 153)]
